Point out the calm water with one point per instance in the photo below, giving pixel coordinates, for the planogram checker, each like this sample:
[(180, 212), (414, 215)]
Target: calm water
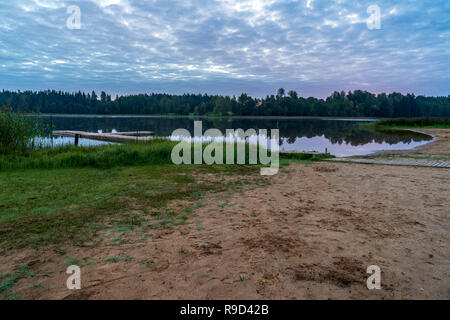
[(342, 137)]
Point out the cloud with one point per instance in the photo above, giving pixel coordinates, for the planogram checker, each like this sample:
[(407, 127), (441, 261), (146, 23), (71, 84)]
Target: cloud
[(226, 46)]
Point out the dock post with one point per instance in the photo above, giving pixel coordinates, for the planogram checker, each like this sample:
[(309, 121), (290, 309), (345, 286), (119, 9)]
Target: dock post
[(77, 136)]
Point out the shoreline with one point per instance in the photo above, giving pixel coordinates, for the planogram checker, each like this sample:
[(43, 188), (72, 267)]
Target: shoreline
[(439, 146), (63, 115)]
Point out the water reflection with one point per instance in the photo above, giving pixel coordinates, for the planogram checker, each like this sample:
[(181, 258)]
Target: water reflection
[(342, 137)]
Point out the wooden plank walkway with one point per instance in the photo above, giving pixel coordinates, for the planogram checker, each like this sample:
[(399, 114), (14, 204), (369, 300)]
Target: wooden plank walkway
[(109, 137), (396, 162), (311, 153)]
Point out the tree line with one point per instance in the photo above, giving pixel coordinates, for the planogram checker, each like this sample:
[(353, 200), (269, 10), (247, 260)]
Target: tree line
[(351, 104)]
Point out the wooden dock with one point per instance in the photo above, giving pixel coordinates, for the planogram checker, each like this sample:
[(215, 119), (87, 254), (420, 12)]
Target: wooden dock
[(310, 153), (108, 137)]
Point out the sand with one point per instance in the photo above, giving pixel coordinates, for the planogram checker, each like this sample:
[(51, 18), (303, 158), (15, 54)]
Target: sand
[(310, 233)]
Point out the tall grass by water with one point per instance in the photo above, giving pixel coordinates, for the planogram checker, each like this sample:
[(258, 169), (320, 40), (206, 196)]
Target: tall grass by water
[(19, 133), (153, 152), (19, 149)]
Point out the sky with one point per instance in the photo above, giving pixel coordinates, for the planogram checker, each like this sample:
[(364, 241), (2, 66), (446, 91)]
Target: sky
[(226, 46)]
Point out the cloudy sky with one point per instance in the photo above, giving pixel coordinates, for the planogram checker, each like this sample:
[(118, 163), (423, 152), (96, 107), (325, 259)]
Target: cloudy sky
[(225, 46)]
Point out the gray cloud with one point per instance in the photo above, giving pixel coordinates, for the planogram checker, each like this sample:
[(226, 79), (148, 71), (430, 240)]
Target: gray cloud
[(226, 46)]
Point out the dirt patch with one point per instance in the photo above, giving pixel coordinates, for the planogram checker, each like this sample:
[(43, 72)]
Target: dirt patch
[(274, 243), (324, 274), (326, 169)]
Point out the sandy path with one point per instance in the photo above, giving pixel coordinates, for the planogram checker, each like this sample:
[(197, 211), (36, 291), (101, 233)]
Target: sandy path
[(309, 234)]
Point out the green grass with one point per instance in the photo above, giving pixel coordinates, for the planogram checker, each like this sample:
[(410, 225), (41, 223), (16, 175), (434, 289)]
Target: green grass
[(287, 159), (69, 194), (157, 151), (44, 206), (154, 152), (404, 123), (8, 280), (119, 259), (72, 261)]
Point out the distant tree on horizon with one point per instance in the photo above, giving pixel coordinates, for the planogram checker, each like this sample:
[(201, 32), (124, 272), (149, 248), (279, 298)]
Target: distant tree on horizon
[(358, 103)]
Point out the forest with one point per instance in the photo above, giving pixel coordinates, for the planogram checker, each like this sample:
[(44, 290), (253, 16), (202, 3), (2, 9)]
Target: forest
[(351, 104)]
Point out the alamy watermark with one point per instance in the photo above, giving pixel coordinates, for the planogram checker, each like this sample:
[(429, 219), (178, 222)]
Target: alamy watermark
[(374, 281), (74, 20), (74, 280), (374, 20), (261, 149)]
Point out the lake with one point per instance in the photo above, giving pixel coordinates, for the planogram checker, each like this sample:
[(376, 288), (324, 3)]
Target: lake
[(341, 137)]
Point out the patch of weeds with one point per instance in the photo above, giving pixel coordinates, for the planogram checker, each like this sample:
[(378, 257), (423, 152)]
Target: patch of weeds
[(60, 251), (118, 259), (24, 271), (115, 241), (182, 251), (198, 206), (155, 213), (46, 262), (188, 210), (200, 228), (10, 279), (143, 238), (86, 262), (72, 261), (125, 228), (167, 223), (8, 283), (222, 205), (36, 285), (182, 179)]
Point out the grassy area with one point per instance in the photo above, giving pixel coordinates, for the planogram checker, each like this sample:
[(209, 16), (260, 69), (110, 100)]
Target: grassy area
[(43, 206), (106, 156), (70, 193), (8, 280), (404, 123), (156, 151)]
